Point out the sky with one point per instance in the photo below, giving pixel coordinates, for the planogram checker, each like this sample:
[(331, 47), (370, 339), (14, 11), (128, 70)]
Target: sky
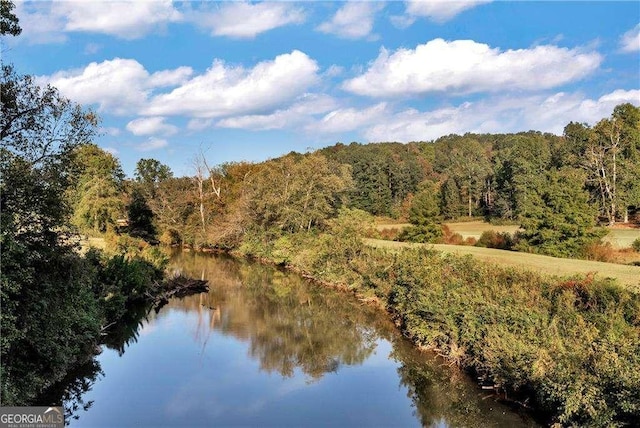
[(246, 81)]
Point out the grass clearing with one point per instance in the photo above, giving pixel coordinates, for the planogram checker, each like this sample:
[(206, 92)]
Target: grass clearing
[(628, 276), (622, 238), (619, 238)]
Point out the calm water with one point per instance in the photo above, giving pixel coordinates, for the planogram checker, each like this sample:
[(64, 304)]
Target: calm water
[(266, 348)]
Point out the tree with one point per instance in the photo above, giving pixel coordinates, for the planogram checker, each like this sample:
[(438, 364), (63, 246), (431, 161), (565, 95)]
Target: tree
[(48, 310), (425, 205), (9, 23), (98, 196), (560, 221), (466, 162), (150, 173), (520, 162), (297, 192), (610, 153), (140, 217)]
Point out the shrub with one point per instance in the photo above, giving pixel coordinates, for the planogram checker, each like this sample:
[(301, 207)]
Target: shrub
[(636, 245), (601, 252), (389, 234), (426, 233), (493, 239)]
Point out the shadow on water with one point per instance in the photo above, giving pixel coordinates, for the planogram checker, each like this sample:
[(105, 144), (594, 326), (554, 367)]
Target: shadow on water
[(292, 326)]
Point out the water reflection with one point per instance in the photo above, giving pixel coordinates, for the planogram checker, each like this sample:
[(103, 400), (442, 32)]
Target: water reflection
[(288, 323), (291, 324), (265, 347)]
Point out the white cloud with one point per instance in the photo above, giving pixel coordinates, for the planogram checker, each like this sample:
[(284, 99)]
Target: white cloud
[(123, 86), (246, 20), (435, 10), (174, 77), (294, 116), (120, 86), (125, 19), (630, 41), (152, 143), (199, 124), (39, 24), (111, 150), (225, 90), (349, 119), (46, 22), (352, 21), (111, 131), (117, 86), (440, 10), (151, 126), (548, 113), (465, 66)]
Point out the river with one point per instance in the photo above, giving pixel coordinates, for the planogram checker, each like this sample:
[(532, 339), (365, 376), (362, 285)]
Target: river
[(267, 348)]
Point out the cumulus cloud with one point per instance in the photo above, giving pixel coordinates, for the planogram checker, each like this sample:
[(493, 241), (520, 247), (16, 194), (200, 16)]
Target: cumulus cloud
[(46, 22), (435, 10), (440, 10), (546, 113), (354, 20), (151, 126), (299, 113), (125, 19), (465, 66), (123, 86), (246, 20), (120, 86), (226, 90), (39, 24), (630, 41), (152, 143), (349, 119)]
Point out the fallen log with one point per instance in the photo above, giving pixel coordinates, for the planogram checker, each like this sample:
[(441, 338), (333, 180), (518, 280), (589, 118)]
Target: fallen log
[(179, 286)]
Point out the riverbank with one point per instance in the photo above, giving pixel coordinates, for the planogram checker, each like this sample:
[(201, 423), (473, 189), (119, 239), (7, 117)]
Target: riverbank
[(567, 347)]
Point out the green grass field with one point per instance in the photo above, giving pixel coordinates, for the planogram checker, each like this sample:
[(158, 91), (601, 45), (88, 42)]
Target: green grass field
[(619, 238), (628, 276)]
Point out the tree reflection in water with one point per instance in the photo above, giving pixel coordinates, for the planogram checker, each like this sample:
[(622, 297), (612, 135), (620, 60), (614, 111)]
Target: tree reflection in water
[(293, 325), (289, 323)]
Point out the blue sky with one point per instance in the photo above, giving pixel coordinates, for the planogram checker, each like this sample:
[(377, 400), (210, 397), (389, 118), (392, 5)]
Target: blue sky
[(251, 81)]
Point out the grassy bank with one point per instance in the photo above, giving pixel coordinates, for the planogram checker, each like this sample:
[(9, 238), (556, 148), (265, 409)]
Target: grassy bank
[(570, 348), (628, 276)]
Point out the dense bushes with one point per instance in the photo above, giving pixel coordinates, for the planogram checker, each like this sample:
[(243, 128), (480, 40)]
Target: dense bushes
[(51, 322), (569, 347)]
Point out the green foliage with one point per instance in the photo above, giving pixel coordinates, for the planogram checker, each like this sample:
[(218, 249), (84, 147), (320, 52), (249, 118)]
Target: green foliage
[(570, 346), (140, 217), (53, 301), (98, 194), (424, 206), (499, 240), (575, 343), (296, 193), (636, 245), (151, 172), (560, 221), (9, 23), (383, 174), (424, 233)]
